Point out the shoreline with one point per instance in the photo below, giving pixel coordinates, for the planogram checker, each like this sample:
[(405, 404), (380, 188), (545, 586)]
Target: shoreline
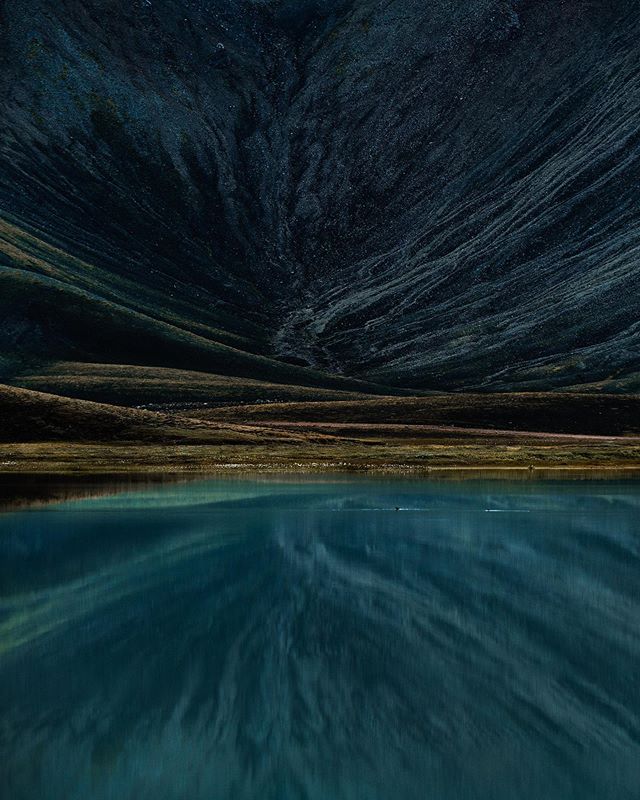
[(25, 490)]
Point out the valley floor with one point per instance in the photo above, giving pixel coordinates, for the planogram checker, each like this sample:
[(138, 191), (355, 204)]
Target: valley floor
[(541, 433)]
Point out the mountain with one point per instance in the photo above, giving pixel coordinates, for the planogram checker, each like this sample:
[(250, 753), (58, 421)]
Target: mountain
[(340, 194)]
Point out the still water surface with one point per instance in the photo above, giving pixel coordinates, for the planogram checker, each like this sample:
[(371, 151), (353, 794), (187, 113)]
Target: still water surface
[(328, 639)]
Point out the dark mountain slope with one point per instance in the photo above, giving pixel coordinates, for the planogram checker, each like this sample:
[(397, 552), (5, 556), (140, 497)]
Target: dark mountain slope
[(422, 194), (56, 305)]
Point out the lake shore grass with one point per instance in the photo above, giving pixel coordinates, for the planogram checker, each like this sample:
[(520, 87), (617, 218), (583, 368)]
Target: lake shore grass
[(72, 458)]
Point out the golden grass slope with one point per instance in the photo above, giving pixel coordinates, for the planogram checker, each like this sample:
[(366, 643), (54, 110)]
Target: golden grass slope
[(47, 434), (162, 387), (547, 412)]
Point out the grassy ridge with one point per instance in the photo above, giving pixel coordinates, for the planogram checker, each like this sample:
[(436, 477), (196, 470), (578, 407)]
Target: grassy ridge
[(29, 417), (550, 412), (129, 385)]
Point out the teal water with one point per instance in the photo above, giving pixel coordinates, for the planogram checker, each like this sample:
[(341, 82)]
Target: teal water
[(324, 639)]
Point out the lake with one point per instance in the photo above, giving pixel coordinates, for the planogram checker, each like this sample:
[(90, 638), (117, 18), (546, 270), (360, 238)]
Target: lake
[(323, 638)]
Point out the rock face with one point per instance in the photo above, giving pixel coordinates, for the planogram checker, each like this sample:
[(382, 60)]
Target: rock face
[(433, 195)]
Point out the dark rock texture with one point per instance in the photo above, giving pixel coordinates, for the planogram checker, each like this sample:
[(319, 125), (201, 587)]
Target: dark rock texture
[(426, 194)]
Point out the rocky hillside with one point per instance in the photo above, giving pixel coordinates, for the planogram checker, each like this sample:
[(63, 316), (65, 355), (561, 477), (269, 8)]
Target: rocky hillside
[(430, 195)]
